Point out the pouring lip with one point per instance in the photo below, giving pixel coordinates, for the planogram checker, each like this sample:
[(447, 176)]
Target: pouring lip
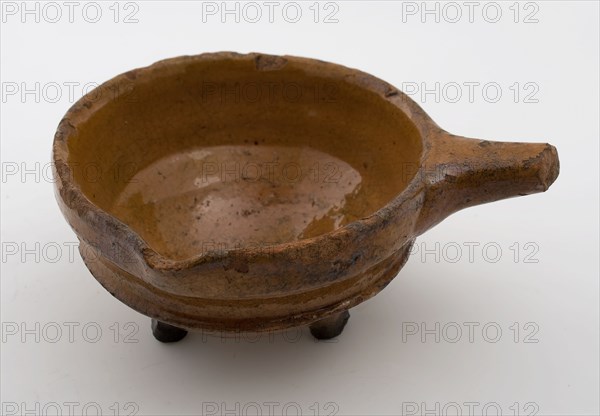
[(69, 193)]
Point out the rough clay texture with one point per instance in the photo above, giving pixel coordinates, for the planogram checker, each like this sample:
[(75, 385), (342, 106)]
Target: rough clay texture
[(293, 251)]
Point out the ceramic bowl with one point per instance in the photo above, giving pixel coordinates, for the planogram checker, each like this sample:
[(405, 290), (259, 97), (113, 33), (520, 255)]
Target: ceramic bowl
[(231, 192)]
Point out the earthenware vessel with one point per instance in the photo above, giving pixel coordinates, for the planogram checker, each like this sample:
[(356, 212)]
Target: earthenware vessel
[(231, 192)]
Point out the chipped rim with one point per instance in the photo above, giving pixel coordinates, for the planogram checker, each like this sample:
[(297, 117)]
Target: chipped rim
[(69, 193)]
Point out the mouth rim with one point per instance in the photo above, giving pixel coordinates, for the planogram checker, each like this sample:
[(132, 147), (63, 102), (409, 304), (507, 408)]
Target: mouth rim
[(69, 193)]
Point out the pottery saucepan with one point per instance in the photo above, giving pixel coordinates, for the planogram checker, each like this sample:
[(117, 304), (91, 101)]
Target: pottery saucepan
[(232, 192)]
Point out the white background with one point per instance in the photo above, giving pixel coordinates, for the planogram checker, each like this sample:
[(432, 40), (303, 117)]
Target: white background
[(375, 367)]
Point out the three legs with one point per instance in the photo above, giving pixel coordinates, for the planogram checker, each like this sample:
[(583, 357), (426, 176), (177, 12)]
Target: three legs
[(327, 328)]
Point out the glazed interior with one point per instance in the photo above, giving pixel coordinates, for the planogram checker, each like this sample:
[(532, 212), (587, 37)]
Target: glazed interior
[(220, 154)]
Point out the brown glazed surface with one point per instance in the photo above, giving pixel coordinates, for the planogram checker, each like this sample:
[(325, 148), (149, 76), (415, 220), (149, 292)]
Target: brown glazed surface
[(254, 192)]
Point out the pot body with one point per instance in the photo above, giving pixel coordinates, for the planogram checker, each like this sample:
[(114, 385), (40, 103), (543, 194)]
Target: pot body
[(299, 282)]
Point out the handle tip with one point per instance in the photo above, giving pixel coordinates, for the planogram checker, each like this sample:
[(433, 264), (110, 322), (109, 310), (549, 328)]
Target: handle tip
[(549, 166), (484, 171)]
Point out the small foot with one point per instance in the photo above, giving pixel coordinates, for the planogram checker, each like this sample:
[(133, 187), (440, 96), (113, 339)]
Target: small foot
[(330, 327), (167, 333)]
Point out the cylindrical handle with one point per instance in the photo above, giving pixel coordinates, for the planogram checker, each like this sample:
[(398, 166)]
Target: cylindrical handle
[(461, 172)]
